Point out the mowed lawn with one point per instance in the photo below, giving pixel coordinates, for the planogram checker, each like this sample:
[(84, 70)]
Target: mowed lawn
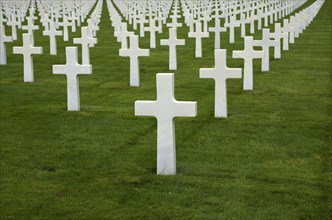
[(270, 159)]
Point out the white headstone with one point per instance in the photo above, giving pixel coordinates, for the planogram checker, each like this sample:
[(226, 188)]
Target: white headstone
[(30, 27), (52, 33), (248, 54), (123, 35), (165, 109), (134, 52), (71, 69), (278, 35), (217, 29), (142, 21), (220, 73), (198, 35), (13, 22), (152, 29), (65, 23), (86, 41), (3, 40), (266, 43), (232, 24), (27, 50), (172, 42)]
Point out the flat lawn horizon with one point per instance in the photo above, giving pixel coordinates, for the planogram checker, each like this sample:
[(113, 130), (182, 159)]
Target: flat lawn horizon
[(270, 159)]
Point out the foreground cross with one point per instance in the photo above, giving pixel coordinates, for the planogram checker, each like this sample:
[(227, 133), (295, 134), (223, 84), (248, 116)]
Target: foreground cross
[(86, 41), (220, 73), (165, 108), (133, 53), (27, 50), (72, 69), (248, 54), (172, 42)]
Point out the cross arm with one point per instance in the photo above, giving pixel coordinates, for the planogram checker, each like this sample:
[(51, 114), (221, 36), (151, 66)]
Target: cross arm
[(145, 108), (123, 52), (37, 50), (234, 73), (59, 69), (206, 72), (238, 54), (144, 52), (181, 42), (17, 50), (85, 69), (185, 109), (164, 42)]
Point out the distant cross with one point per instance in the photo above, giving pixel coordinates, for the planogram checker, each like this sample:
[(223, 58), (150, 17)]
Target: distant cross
[(232, 24), (152, 29), (13, 22), (86, 41), (266, 43), (52, 33), (134, 52), (141, 22), (220, 73), (198, 35), (71, 69), (174, 23), (165, 109), (278, 35), (172, 42), (217, 29), (3, 40), (124, 34), (30, 27), (287, 29), (248, 54), (27, 50), (65, 23)]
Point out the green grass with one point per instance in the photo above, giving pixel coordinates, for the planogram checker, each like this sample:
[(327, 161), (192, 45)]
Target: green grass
[(270, 159)]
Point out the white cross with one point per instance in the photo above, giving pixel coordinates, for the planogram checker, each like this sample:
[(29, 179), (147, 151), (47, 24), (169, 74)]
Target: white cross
[(248, 54), (86, 41), (27, 50), (13, 22), (217, 29), (278, 35), (30, 27), (71, 69), (93, 28), (3, 39), (65, 23), (220, 73), (289, 30), (152, 29), (198, 35), (142, 21), (52, 33), (174, 23), (233, 23), (123, 34), (266, 43), (133, 53), (172, 42), (165, 109)]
